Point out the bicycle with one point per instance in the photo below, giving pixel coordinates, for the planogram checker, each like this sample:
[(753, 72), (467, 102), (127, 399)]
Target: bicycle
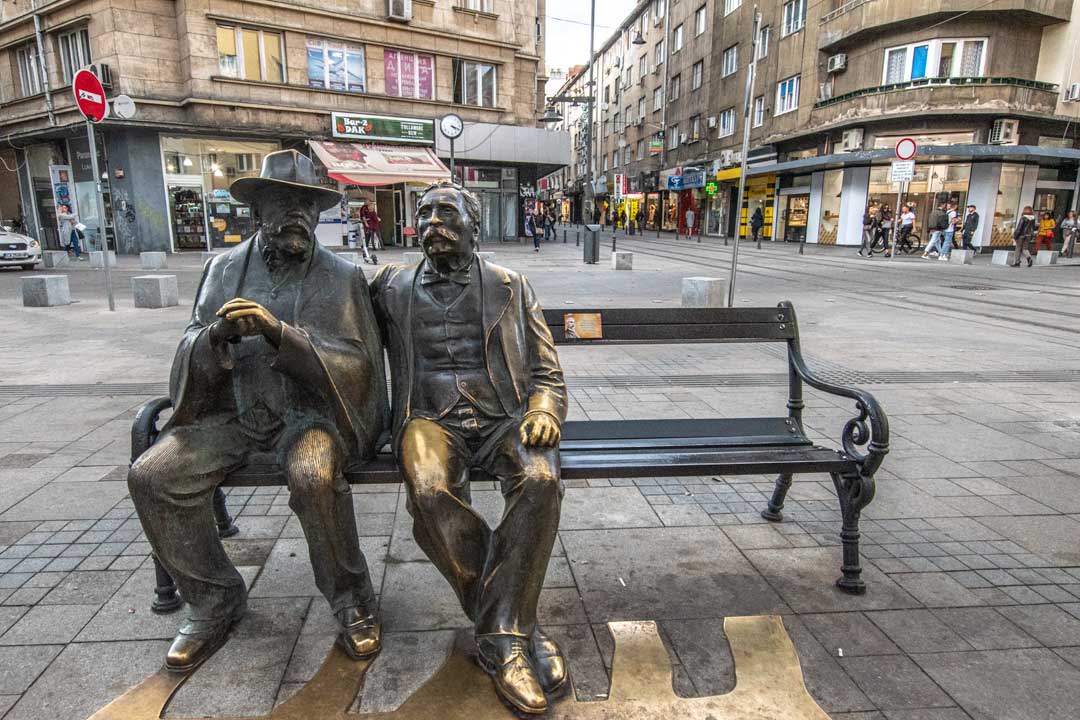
[(907, 244)]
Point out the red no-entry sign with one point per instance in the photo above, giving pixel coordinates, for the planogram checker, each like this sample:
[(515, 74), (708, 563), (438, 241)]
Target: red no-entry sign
[(89, 95), (906, 148)]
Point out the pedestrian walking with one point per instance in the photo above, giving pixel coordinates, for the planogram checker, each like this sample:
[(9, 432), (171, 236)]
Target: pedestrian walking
[(968, 228), (1069, 230), (1047, 225), (549, 227), (870, 226), (372, 226), (907, 225), (538, 224), (691, 218), (952, 219), (69, 233), (757, 221), (530, 230), (884, 230), (641, 219), (1023, 235), (939, 221)]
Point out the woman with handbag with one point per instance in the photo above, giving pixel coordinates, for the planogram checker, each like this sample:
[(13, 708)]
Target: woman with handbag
[(1069, 229), (1046, 232), (69, 233), (1024, 234)]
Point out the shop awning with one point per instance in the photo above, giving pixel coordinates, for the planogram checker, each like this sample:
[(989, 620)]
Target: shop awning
[(728, 174), (368, 164)]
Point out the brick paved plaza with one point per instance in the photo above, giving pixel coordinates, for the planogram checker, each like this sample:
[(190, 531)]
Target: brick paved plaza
[(971, 548)]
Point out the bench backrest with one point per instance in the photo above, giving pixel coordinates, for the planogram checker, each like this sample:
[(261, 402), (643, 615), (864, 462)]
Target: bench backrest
[(618, 326)]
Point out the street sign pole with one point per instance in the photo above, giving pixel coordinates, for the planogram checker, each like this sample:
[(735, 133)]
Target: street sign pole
[(747, 100), (905, 150), (90, 134)]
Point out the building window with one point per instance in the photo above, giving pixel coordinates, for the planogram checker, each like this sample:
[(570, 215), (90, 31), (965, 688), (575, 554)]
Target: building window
[(727, 122), (628, 79), (643, 66), (615, 122), (673, 137), (628, 115), (409, 75), (335, 66), (699, 20), (658, 54), (659, 7), (941, 58), (474, 83), (731, 6), (695, 129), (787, 95), (74, 52), (614, 158), (481, 5), (697, 74), (676, 87), (794, 17), (657, 99), (641, 108), (759, 111), (29, 71), (640, 149), (763, 42), (676, 39), (731, 61), (250, 54), (605, 163)]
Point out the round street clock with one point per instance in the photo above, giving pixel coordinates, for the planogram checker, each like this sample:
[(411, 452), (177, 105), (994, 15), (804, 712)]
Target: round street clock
[(451, 126)]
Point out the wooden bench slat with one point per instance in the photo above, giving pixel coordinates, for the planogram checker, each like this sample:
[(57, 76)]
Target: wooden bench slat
[(629, 334), (668, 444), (674, 427), (674, 316)]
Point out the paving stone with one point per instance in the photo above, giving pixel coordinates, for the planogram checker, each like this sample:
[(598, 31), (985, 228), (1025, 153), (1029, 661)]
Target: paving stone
[(8, 616), (287, 572), (13, 531), (587, 671), (895, 682), (936, 589), (1048, 624), (87, 676), (69, 501), (48, 625), (985, 628), (1007, 683), (825, 679), (916, 631), (416, 597), (665, 573), (127, 615), (87, 588), (20, 665), (953, 713), (850, 632), (1052, 537), (601, 508), (756, 537), (407, 661)]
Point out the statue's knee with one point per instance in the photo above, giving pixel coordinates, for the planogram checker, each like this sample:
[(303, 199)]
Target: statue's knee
[(147, 478), (541, 480)]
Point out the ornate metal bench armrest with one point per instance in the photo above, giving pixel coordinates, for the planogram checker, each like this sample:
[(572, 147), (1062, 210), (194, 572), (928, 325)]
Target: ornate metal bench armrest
[(856, 435), (144, 428)]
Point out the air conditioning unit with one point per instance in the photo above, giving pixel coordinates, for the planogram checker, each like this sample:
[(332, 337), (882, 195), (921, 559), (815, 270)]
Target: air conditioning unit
[(727, 158), (1072, 93), (836, 63), (711, 121), (399, 10), (852, 140), (104, 74), (1005, 131)]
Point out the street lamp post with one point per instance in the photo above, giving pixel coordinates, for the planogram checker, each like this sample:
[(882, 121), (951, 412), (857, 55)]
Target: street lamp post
[(747, 101)]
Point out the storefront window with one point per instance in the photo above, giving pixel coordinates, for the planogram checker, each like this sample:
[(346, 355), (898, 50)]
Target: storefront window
[(1008, 204), (935, 184), (830, 206), (198, 173)]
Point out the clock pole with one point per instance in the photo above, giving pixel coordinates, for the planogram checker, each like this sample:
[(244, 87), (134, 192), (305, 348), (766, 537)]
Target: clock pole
[(451, 159)]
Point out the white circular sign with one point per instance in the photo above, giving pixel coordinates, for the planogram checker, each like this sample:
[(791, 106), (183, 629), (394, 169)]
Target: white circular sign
[(123, 106), (906, 148)]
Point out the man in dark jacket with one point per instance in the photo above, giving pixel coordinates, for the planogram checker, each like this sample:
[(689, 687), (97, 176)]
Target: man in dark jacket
[(967, 230), (477, 386), (282, 357)]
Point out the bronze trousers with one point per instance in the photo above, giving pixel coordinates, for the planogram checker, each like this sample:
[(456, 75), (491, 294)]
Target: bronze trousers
[(172, 485), (497, 574)]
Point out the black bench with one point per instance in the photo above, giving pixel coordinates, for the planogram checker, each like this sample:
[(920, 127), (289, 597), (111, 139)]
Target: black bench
[(644, 448)]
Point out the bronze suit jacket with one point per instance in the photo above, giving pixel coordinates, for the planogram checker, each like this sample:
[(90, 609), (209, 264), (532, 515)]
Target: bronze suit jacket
[(518, 349), (333, 351)]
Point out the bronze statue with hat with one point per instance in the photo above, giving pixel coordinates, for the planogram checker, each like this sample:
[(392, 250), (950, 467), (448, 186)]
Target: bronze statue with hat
[(281, 359)]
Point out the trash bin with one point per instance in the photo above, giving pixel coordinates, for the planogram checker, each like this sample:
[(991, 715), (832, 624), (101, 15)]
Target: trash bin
[(592, 244)]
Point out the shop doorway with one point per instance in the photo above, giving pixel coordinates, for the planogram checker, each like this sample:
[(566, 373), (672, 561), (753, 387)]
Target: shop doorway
[(389, 206), (796, 213), (187, 213), (1056, 201)]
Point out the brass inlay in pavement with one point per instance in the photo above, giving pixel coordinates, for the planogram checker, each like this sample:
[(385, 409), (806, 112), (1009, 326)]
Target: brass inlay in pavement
[(769, 685)]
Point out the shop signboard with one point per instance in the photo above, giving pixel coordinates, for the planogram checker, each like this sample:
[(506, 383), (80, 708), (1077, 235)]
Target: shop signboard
[(354, 126), (686, 179), (710, 188), (656, 146), (902, 171)]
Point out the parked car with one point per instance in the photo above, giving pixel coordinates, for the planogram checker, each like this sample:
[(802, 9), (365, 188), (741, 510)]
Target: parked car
[(17, 250)]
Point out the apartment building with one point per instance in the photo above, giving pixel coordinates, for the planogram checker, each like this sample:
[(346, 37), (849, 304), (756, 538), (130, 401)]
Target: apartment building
[(220, 83), (989, 91)]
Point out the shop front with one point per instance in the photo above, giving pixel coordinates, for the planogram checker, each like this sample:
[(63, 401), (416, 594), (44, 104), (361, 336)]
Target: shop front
[(685, 193), (720, 218), (793, 202), (759, 194)]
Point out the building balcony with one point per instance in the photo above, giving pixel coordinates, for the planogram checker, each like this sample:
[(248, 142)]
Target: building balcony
[(856, 19), (938, 96)]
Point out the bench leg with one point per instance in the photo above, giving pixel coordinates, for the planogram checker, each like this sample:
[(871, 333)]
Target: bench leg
[(855, 492), (776, 504), (166, 599)]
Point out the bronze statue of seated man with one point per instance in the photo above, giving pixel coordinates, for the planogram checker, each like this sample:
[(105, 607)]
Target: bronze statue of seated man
[(477, 387), (282, 356)]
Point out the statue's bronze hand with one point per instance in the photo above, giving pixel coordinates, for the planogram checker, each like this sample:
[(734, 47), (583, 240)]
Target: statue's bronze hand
[(540, 430), (246, 318)]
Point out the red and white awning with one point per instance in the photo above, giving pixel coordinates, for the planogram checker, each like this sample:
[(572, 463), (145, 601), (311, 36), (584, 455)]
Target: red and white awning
[(369, 164)]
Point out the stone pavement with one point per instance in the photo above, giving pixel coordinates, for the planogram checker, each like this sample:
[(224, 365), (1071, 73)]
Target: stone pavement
[(971, 547)]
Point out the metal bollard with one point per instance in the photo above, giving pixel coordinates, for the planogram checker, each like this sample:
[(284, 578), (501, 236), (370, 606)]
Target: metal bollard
[(759, 241), (613, 243), (564, 236), (577, 240), (802, 242)]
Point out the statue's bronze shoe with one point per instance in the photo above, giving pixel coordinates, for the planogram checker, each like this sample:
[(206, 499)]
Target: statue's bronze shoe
[(199, 639), (506, 659), (361, 633), (548, 661)]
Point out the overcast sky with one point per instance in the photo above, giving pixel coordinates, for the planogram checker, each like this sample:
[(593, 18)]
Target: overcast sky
[(568, 31)]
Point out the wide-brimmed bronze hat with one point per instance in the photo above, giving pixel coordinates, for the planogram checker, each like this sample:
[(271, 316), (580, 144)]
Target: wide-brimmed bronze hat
[(286, 168)]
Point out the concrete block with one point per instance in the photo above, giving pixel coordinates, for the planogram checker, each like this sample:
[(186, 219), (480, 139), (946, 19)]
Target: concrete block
[(488, 256), (1046, 257), (155, 291), (702, 292), (55, 258), (622, 260), (1003, 257), (45, 290), (97, 259), (352, 257), (412, 257), (153, 260), (962, 257)]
